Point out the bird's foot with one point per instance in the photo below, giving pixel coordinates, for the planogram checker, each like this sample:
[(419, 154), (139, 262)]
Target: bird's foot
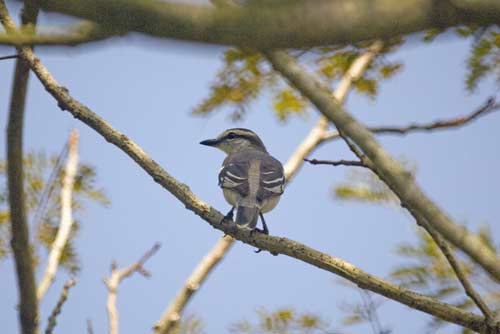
[(228, 217), (264, 225), (264, 231)]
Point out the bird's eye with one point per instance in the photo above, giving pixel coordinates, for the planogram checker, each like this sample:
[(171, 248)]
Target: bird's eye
[(231, 136)]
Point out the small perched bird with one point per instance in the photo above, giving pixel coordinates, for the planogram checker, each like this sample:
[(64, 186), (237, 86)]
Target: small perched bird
[(251, 179)]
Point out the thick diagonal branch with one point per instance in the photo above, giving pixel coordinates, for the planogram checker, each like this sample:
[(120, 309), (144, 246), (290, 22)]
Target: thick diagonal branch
[(213, 217), (20, 241), (112, 283), (66, 221), (399, 180), (281, 24)]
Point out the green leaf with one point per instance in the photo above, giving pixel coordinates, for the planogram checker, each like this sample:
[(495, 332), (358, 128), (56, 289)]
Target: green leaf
[(238, 83), (367, 86), (389, 70), (352, 319), (287, 102)]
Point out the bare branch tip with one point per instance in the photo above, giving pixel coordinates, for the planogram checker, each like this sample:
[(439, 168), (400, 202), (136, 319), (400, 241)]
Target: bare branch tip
[(9, 57)]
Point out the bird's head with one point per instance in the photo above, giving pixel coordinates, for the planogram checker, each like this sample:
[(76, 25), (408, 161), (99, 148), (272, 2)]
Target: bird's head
[(234, 140)]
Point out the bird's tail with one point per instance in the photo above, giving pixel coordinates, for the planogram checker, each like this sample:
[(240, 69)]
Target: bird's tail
[(246, 216)]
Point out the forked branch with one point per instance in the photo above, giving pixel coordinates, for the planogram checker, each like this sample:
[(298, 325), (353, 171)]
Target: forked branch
[(118, 275)]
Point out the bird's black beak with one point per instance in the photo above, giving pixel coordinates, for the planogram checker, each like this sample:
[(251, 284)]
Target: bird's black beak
[(209, 142)]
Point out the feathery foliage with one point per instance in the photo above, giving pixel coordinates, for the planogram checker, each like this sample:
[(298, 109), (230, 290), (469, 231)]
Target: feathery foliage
[(282, 321), (245, 75), (42, 193), (426, 270)]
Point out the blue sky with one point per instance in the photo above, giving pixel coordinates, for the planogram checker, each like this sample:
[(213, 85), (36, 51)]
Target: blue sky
[(148, 89)]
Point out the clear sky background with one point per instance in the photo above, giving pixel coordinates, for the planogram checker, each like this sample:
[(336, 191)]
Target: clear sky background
[(148, 89)]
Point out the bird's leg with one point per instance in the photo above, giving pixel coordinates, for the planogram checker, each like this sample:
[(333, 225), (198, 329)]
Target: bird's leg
[(264, 230), (264, 226), (228, 216)]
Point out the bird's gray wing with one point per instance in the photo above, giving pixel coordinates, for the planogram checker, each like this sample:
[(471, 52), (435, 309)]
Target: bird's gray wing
[(272, 178), (234, 176)]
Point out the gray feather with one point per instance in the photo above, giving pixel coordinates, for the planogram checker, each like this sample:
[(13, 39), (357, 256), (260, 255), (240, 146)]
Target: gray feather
[(247, 216)]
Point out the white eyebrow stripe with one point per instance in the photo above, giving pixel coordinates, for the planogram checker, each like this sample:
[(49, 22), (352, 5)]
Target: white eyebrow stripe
[(235, 176), (273, 181)]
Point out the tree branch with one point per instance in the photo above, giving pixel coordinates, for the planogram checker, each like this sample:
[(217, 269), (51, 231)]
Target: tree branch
[(170, 318), (213, 217), (459, 272), (83, 32), (9, 57), (292, 24), (112, 283), (443, 245), (399, 180), (318, 132), (489, 106), (58, 308), (20, 240), (66, 222), (336, 162)]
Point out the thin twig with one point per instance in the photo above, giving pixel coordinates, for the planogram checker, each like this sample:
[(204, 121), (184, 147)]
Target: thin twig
[(336, 162), (50, 185), (20, 240), (357, 152), (489, 106), (369, 311), (66, 222), (9, 57), (117, 275), (52, 321)]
